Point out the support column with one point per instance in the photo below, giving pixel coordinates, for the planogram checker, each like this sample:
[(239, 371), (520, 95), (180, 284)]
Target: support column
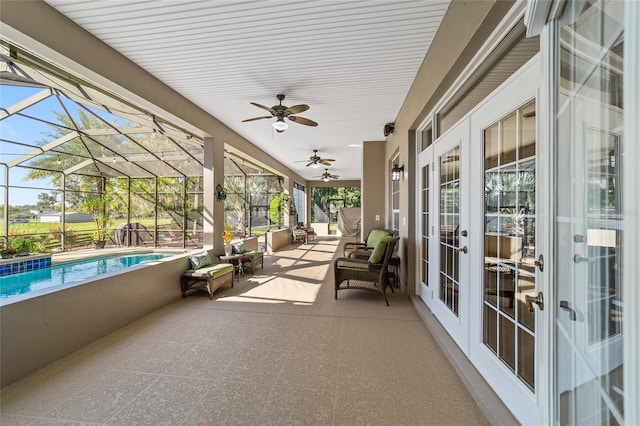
[(213, 210)]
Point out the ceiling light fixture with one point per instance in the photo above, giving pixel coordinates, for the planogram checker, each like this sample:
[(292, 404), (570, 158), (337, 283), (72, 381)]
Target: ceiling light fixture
[(326, 178), (280, 125), (315, 166)]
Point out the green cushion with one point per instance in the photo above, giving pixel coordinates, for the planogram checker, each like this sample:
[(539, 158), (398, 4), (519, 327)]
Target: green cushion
[(378, 252), (214, 270), (375, 236), (238, 247), (199, 260), (254, 254)]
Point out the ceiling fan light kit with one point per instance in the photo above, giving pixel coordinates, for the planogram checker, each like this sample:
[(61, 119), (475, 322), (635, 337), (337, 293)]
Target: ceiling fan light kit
[(280, 125)]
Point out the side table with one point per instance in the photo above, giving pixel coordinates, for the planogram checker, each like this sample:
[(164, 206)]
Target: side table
[(234, 259)]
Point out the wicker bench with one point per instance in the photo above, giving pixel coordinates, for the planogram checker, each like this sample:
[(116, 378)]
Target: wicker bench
[(210, 278)]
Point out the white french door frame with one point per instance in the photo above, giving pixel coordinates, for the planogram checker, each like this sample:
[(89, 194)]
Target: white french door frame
[(631, 208), (456, 325), (519, 89), (426, 291)]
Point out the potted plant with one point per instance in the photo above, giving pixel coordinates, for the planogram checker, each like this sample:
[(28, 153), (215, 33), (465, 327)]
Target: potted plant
[(98, 209), (7, 253), (227, 235), (22, 246)]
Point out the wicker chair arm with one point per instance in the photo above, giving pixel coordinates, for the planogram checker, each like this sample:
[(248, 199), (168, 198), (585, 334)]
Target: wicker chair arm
[(349, 247), (353, 246), (347, 262), (361, 254)]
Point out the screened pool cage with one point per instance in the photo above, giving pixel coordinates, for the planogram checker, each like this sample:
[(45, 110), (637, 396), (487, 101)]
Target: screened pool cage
[(78, 164)]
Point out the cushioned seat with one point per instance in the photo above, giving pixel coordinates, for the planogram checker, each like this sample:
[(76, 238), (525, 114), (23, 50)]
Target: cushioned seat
[(214, 271), (206, 274), (370, 274), (250, 258)]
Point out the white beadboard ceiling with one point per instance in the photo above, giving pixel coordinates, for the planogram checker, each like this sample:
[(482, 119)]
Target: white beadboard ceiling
[(352, 62)]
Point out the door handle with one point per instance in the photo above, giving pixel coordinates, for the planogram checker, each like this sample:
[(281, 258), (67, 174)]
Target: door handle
[(463, 250), (565, 305), (540, 263), (538, 300), (579, 259)]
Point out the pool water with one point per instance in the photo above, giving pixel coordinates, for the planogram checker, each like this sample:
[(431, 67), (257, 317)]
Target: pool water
[(66, 273)]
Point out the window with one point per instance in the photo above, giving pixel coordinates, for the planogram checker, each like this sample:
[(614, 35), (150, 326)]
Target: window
[(395, 198), (299, 201)]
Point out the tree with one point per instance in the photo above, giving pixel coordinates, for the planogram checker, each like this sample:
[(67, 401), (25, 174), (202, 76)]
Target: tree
[(46, 201), (276, 208), (97, 207)]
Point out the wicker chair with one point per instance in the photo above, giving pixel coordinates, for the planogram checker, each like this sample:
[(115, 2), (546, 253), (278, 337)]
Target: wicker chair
[(359, 274)]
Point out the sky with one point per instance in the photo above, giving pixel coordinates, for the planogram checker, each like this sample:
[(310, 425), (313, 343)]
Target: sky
[(20, 129)]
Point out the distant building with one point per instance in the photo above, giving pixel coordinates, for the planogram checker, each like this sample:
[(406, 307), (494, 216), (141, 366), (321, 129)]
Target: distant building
[(54, 217)]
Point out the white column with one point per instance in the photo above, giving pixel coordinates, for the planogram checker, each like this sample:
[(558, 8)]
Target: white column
[(213, 210)]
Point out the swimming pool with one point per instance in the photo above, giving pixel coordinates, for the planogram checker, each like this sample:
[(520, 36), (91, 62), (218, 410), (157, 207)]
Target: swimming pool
[(68, 273)]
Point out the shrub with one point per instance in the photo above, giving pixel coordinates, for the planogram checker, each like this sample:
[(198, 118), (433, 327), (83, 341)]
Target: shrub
[(22, 244)]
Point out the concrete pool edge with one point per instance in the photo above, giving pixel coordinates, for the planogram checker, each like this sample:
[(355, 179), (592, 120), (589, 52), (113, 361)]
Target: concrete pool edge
[(42, 329)]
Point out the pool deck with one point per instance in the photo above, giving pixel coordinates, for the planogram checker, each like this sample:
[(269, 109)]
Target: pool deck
[(70, 256)]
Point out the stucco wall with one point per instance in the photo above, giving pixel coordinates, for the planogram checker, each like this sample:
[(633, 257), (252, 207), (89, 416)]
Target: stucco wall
[(40, 330), (374, 189)]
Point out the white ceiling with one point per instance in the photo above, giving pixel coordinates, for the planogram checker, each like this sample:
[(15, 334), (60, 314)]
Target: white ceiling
[(352, 62)]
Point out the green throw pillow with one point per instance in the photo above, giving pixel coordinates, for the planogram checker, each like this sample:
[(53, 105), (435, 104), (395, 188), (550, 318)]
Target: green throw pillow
[(375, 236), (200, 260), (239, 247), (378, 252)]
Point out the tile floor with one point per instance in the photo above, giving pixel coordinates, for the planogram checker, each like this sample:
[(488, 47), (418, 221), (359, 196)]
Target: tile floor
[(277, 349)]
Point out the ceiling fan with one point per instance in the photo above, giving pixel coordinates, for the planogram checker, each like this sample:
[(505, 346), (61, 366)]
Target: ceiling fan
[(326, 176), (280, 112), (316, 161)]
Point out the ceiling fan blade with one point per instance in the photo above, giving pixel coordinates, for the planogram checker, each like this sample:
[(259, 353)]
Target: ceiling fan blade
[(297, 109), (310, 163), (262, 106), (302, 120), (325, 161), (257, 118)]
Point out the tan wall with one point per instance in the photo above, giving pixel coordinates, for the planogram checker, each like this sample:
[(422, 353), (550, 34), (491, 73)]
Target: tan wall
[(374, 186), (278, 239), (40, 330)]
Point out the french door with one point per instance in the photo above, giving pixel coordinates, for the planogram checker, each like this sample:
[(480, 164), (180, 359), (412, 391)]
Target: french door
[(507, 341), (448, 295)]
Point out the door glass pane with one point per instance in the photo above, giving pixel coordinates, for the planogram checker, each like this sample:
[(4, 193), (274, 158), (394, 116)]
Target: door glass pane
[(425, 225), (449, 221), (510, 239), (589, 220)]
